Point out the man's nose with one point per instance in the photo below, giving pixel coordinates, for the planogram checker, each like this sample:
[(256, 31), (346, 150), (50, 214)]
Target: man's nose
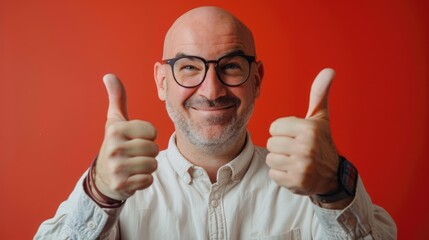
[(212, 87)]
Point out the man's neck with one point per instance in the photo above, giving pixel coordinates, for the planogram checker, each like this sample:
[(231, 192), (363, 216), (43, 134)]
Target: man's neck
[(211, 161)]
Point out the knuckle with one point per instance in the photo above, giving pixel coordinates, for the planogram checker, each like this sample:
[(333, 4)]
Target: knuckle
[(151, 149), (147, 128), (311, 133), (150, 165), (117, 185), (114, 129), (310, 128), (155, 165), (146, 181), (152, 131), (270, 144), (149, 179), (110, 148), (279, 123), (154, 149), (276, 125), (304, 149), (117, 150), (130, 192), (269, 156), (116, 169), (272, 174), (269, 159)]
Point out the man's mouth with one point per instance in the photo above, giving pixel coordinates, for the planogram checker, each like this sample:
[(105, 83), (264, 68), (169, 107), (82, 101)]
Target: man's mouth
[(216, 108), (219, 104)]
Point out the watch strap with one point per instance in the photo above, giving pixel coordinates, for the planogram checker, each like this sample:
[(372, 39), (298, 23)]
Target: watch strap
[(347, 182)]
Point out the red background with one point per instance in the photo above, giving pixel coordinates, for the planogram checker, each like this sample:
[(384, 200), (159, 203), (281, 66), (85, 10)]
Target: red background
[(53, 103)]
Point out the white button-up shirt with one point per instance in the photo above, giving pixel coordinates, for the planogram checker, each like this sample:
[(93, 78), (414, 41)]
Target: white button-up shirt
[(244, 203)]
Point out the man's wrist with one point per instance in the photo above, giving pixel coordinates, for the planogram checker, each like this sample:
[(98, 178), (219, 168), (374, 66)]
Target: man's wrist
[(94, 193), (338, 205), (347, 176)]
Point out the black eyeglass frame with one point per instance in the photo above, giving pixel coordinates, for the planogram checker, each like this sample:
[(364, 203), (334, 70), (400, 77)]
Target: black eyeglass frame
[(172, 61)]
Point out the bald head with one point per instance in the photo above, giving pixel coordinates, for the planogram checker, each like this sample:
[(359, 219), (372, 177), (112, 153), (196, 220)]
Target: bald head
[(207, 28)]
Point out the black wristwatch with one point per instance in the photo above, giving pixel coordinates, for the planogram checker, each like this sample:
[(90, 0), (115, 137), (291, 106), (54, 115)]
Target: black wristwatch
[(347, 181)]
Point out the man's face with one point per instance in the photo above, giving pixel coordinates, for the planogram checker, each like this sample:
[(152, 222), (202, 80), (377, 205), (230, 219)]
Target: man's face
[(212, 114)]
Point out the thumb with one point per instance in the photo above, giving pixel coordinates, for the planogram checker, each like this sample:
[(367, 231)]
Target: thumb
[(319, 92), (117, 98)]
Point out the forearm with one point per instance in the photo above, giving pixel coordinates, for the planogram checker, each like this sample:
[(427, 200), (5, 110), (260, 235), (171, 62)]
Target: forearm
[(79, 217)]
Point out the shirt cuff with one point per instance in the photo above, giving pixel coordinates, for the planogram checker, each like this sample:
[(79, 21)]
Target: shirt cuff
[(87, 219), (351, 222)]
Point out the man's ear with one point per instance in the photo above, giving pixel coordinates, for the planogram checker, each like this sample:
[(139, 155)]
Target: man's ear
[(160, 80), (259, 75)]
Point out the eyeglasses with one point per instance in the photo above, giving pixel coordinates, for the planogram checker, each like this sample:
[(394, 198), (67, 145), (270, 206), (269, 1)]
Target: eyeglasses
[(190, 71)]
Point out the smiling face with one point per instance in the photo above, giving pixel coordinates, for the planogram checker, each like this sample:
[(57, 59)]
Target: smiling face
[(211, 116)]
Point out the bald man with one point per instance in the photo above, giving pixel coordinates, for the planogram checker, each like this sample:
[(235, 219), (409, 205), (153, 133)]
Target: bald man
[(212, 182)]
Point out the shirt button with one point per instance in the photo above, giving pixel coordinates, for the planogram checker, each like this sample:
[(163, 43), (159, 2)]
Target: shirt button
[(351, 221), (215, 203), (91, 225), (198, 173)]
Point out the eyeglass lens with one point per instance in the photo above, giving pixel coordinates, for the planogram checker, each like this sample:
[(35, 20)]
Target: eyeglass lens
[(191, 71)]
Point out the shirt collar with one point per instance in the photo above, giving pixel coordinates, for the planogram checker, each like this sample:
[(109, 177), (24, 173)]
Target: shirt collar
[(178, 161), (238, 165)]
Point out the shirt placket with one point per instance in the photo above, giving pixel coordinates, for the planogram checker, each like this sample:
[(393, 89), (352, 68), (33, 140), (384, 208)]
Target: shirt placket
[(216, 214)]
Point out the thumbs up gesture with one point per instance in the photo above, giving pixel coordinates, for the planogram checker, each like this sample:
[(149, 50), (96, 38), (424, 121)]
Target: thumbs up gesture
[(302, 155), (127, 155)]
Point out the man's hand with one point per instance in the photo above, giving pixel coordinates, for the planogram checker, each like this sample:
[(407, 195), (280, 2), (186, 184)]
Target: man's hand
[(127, 156), (302, 154)]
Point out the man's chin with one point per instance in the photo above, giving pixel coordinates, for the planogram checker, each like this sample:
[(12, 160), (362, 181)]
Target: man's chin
[(216, 136)]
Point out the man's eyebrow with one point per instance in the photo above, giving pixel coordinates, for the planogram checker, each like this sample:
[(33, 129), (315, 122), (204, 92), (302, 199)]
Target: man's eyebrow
[(236, 52), (180, 54)]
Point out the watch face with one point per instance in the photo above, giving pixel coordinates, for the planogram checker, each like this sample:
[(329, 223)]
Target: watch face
[(348, 176)]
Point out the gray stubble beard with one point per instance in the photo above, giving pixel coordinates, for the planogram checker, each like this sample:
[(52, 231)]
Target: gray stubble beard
[(231, 133)]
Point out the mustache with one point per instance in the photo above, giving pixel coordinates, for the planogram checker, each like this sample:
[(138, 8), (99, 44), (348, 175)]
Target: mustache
[(201, 101)]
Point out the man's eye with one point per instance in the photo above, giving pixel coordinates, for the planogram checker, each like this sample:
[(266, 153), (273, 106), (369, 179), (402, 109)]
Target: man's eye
[(189, 67), (231, 66)]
